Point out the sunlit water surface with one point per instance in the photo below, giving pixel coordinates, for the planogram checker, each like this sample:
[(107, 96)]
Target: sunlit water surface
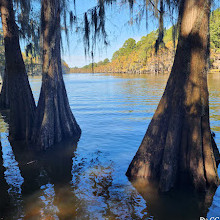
[(88, 181)]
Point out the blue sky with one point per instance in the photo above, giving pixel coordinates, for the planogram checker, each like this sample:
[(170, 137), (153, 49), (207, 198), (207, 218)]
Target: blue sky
[(117, 27), (118, 31)]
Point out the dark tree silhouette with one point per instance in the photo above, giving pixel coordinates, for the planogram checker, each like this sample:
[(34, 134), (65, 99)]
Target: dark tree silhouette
[(16, 92)]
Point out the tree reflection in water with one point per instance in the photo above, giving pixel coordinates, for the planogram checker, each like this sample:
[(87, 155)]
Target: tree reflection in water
[(45, 175), (90, 182), (180, 204), (61, 185)]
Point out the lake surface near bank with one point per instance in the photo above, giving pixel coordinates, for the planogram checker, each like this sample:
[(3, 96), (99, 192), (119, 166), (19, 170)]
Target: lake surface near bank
[(88, 181)]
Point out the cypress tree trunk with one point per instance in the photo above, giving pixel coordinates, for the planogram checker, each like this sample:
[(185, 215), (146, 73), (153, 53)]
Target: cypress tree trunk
[(54, 119), (4, 96), (20, 97), (178, 145)]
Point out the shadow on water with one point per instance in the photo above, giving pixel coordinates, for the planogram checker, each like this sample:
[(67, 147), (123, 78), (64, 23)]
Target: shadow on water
[(179, 204), (60, 184), (88, 181), (47, 180), (57, 184), (36, 185)]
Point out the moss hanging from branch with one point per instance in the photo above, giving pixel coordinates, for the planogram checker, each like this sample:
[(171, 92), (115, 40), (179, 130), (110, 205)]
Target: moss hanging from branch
[(159, 40)]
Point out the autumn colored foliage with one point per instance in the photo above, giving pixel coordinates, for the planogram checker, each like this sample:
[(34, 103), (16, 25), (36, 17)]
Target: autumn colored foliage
[(140, 57)]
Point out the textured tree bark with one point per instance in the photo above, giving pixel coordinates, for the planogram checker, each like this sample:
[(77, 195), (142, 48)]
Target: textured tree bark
[(54, 119), (178, 145), (16, 86), (4, 96)]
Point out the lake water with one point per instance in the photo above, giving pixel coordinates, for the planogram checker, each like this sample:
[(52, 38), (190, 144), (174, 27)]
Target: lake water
[(88, 181)]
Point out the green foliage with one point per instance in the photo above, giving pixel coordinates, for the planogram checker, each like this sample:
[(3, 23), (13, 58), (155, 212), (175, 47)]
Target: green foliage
[(128, 46), (115, 55), (133, 53), (136, 55), (215, 30), (147, 42), (168, 35), (106, 61), (100, 63)]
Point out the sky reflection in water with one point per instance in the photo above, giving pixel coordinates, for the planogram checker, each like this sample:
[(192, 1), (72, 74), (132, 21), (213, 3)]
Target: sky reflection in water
[(87, 181)]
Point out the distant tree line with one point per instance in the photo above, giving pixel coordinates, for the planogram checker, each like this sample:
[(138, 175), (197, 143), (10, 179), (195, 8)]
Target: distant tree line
[(140, 57)]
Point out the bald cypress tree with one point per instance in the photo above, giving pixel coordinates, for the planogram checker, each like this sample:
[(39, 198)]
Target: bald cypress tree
[(178, 145), (54, 120), (16, 92)]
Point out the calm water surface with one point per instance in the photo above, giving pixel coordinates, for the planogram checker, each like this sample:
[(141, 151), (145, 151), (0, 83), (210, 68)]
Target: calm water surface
[(87, 181)]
